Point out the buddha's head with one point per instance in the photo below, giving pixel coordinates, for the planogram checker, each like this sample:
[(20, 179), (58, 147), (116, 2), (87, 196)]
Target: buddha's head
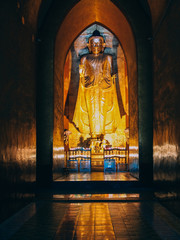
[(96, 43)]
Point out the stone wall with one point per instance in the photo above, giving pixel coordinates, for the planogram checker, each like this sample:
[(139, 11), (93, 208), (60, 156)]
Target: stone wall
[(18, 92), (166, 143)]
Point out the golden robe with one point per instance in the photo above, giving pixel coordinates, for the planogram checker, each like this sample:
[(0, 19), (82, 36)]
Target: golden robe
[(97, 109)]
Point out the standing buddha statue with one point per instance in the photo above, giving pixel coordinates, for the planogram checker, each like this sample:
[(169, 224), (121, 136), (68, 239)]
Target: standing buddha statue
[(97, 109)]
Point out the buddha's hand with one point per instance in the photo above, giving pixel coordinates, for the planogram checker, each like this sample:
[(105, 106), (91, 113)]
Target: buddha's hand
[(81, 70)]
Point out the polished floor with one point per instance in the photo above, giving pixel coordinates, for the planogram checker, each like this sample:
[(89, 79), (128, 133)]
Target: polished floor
[(52, 219), (98, 176)]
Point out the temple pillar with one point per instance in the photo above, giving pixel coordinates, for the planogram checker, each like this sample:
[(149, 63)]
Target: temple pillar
[(44, 113), (145, 94)]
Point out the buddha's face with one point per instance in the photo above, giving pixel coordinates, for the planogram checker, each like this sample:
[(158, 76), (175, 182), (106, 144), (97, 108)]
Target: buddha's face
[(96, 45)]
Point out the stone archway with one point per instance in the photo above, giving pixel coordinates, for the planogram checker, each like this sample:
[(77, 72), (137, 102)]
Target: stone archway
[(138, 56)]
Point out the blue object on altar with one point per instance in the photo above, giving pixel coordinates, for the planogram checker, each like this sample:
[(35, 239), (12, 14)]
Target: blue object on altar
[(72, 165), (109, 165), (85, 165)]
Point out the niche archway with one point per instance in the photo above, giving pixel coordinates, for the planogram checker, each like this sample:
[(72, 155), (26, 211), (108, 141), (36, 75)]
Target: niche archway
[(57, 30), (108, 15)]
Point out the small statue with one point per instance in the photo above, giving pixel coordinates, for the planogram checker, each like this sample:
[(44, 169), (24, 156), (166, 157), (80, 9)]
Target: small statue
[(97, 109)]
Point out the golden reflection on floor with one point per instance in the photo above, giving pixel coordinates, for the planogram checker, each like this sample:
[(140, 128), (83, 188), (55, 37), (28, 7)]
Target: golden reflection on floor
[(110, 221), (88, 221), (96, 197), (98, 176)]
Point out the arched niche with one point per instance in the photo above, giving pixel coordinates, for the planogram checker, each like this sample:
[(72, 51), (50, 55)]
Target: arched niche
[(82, 15), (63, 23)]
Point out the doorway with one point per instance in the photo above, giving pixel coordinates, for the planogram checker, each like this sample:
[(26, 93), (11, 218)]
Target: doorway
[(138, 59)]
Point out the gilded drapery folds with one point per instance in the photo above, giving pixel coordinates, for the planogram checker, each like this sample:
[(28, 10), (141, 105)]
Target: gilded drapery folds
[(97, 110)]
